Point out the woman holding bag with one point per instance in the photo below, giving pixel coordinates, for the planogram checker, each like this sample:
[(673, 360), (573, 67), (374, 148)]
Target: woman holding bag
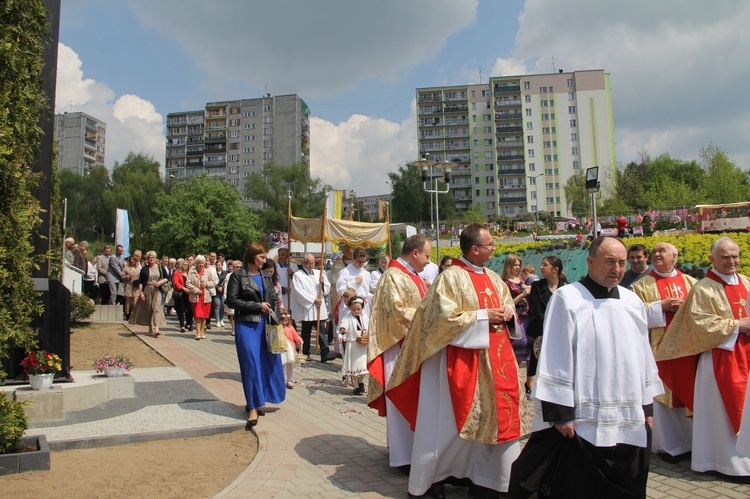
[(149, 310), (250, 292)]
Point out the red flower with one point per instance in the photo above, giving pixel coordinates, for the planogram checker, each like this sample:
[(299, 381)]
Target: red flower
[(34, 362)]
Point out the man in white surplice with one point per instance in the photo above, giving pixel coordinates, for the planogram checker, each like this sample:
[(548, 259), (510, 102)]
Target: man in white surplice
[(285, 269), (309, 287), (356, 276), (595, 383)]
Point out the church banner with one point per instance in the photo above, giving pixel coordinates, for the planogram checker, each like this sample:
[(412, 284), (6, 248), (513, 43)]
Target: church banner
[(306, 230), (349, 232)]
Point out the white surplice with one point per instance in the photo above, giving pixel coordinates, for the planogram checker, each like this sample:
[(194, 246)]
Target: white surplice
[(347, 278), (285, 282), (596, 357), (304, 292)]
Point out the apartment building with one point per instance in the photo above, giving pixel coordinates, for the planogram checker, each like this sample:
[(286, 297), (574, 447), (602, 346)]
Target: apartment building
[(516, 140), (233, 139), (81, 142)]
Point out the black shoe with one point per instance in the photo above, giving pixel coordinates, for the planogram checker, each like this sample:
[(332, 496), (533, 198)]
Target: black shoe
[(361, 388), (405, 469), (479, 492), (668, 457), (436, 491), (327, 358), (308, 358), (250, 424), (357, 391)]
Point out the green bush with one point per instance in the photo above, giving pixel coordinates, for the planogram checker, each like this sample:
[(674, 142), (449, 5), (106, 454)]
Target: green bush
[(13, 424), (81, 308)]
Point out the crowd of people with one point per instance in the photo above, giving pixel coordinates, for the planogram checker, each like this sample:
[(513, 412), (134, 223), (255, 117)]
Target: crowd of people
[(621, 364)]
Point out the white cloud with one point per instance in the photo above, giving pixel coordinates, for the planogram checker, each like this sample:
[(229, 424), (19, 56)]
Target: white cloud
[(133, 124), (308, 48), (678, 67), (358, 154), (508, 67)]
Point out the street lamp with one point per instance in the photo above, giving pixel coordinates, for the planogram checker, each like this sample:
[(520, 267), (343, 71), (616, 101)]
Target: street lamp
[(427, 176), (390, 200), (592, 185), (536, 193)]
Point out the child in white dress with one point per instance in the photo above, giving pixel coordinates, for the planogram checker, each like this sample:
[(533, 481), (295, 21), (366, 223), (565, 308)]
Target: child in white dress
[(294, 340), (352, 327)]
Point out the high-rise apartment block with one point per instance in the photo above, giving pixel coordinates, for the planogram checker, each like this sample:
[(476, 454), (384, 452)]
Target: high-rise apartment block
[(233, 139), (80, 142), (516, 140)]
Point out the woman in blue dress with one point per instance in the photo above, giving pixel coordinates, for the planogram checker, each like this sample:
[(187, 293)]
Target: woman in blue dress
[(251, 293)]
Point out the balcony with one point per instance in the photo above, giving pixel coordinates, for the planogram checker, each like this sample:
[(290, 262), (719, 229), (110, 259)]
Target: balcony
[(216, 162), (195, 153), (430, 123), (504, 89), (512, 171), (510, 102), (429, 110), (92, 125), (215, 137), (509, 129), (430, 98), (89, 143), (215, 148), (507, 116), (513, 187), (195, 162), (513, 199), (509, 143), (454, 122), (461, 108)]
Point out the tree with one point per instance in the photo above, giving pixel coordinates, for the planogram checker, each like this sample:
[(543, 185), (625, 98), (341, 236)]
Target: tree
[(136, 183), (576, 195), (85, 194), (271, 188), (725, 182), (411, 203), (201, 214), (474, 215)]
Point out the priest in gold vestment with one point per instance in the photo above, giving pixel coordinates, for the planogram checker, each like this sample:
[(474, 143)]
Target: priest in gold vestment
[(399, 292), (456, 378), (703, 359), (663, 290)]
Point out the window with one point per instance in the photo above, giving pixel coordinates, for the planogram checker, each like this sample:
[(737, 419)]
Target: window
[(488, 155), (245, 162), (574, 150), (552, 116), (476, 143), (234, 146), (551, 89), (473, 106), (474, 118), (550, 200), (542, 90), (547, 157), (576, 165), (476, 179), (473, 93), (547, 143), (491, 205), (233, 157), (485, 93), (571, 109), (545, 116), (548, 171), (246, 138), (527, 85), (488, 129), (268, 131), (532, 167), (490, 192), (234, 134), (530, 139), (532, 181), (574, 137), (545, 129), (529, 125), (487, 117), (571, 96), (489, 180), (489, 167), (545, 103), (572, 123), (530, 153), (234, 122), (269, 155), (557, 199), (268, 107), (478, 191), (245, 149), (570, 82), (527, 98), (528, 111)]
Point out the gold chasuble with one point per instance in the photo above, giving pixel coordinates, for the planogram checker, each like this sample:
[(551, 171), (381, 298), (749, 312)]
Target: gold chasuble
[(706, 320), (654, 288), (397, 299), (484, 385)]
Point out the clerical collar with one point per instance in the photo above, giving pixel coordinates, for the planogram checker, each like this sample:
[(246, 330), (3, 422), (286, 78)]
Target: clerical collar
[(478, 269), (406, 265), (668, 274), (727, 278), (599, 291)]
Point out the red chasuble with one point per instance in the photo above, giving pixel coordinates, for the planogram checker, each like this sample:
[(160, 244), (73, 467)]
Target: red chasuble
[(463, 368), (731, 366), (673, 371), (376, 366)]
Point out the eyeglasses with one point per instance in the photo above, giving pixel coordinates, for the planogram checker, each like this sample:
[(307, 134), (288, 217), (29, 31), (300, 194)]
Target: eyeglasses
[(490, 246)]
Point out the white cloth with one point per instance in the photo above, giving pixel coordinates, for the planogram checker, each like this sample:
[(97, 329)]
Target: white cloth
[(743, 438), (400, 438), (290, 355), (438, 452), (375, 276), (285, 281), (673, 430), (355, 356), (347, 279), (305, 292), (714, 441), (430, 272), (596, 357)]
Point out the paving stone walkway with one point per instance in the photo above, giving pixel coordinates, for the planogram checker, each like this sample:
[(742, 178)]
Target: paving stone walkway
[(325, 442)]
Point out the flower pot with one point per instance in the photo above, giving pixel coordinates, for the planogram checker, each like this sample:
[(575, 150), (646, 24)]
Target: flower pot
[(41, 381), (33, 457), (114, 372)]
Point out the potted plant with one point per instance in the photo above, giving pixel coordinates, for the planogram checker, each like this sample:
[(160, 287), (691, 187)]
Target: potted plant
[(41, 367), (113, 365)]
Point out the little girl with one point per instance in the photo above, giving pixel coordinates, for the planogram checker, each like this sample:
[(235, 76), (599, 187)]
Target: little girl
[(351, 327), (341, 311), (293, 339)]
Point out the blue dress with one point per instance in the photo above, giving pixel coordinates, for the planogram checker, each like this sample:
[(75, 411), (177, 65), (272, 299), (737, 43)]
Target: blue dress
[(262, 372)]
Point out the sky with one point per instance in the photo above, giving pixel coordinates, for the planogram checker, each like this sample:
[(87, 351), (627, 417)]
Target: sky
[(678, 68)]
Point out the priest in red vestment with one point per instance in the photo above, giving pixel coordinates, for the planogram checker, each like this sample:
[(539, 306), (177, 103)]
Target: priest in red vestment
[(704, 359), (399, 292), (456, 379)]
